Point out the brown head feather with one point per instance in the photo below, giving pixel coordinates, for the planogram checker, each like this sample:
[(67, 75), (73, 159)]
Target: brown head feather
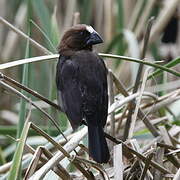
[(73, 40), (78, 37)]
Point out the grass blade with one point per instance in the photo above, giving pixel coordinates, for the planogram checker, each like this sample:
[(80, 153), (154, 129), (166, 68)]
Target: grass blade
[(22, 112), (14, 171)]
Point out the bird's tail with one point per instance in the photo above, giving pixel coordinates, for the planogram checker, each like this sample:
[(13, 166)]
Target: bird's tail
[(98, 148)]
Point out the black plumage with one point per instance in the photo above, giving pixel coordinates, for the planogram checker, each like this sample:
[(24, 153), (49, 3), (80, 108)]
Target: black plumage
[(82, 86)]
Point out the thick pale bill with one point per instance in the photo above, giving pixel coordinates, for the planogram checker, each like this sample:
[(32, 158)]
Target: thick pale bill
[(90, 29)]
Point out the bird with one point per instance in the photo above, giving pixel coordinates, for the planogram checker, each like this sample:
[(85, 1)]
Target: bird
[(81, 79)]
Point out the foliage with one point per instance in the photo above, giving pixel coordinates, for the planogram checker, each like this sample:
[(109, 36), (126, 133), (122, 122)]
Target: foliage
[(149, 145)]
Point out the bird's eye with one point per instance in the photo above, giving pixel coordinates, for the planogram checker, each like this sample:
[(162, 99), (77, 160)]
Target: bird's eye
[(82, 33)]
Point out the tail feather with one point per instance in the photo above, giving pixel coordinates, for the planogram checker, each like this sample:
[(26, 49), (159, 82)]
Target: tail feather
[(98, 148)]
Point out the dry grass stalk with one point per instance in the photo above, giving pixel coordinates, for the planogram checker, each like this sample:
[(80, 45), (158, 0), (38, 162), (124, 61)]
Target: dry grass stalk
[(24, 36), (132, 106), (76, 18), (141, 115), (135, 15), (118, 162), (159, 155), (147, 163), (68, 21), (6, 167), (3, 4), (70, 146), (19, 94), (108, 23), (138, 161), (144, 17), (34, 162), (59, 170), (91, 164), (134, 117), (12, 37), (177, 175)]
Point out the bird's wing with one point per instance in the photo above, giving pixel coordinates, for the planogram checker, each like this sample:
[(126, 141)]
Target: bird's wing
[(69, 96), (82, 85), (104, 108), (93, 86)]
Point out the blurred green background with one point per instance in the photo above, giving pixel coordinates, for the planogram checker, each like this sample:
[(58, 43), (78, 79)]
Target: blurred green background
[(121, 23)]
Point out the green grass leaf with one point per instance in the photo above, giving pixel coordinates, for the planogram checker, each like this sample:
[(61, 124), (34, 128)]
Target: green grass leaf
[(172, 63), (25, 80), (16, 163)]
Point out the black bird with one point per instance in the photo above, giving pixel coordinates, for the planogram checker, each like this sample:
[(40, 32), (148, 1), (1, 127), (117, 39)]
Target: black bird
[(81, 80)]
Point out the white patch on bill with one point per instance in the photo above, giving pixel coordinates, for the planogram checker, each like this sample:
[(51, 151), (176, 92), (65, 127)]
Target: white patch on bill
[(90, 29)]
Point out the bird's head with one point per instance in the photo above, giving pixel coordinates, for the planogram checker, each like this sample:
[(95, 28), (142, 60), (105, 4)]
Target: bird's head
[(78, 37)]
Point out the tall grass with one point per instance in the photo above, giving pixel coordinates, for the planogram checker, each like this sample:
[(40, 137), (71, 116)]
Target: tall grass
[(46, 22)]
